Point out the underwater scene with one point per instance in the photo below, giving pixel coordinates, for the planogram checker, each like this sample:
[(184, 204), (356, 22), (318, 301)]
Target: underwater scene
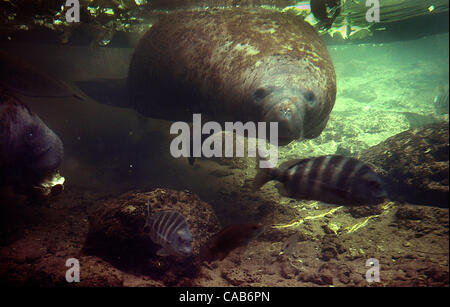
[(223, 143)]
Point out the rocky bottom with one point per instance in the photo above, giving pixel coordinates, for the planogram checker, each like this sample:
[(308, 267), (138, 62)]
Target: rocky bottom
[(325, 246)]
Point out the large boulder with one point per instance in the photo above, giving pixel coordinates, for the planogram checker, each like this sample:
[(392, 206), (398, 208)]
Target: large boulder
[(415, 164), (116, 233)]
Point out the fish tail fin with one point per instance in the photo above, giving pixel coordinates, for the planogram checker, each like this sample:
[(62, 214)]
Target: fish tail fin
[(263, 176)]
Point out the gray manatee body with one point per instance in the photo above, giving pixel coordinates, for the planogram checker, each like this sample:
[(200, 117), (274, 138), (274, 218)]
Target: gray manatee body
[(235, 64), (30, 152), (28, 80), (229, 64)]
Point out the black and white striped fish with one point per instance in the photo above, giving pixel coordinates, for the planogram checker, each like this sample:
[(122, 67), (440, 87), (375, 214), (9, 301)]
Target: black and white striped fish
[(170, 229), (441, 102), (331, 179)]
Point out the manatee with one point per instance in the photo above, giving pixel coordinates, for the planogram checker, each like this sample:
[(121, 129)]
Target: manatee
[(235, 64), (29, 151), (26, 79)]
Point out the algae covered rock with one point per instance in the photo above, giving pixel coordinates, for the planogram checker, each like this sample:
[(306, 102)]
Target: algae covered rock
[(415, 164), (116, 232)]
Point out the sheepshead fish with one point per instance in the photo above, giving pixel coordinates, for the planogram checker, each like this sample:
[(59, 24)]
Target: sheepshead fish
[(170, 229), (228, 239), (441, 102), (331, 179)]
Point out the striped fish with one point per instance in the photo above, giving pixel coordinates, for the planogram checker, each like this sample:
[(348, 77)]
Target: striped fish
[(169, 229), (441, 103), (331, 179)]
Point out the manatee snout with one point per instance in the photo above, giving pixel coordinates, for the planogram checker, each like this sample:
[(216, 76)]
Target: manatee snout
[(46, 148), (29, 150), (287, 108), (289, 118)]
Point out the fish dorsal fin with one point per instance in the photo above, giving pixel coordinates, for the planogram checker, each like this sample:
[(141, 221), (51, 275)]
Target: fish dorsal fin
[(291, 163)]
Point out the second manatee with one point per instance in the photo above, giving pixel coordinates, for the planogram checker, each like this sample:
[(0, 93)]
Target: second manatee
[(235, 64), (30, 152)]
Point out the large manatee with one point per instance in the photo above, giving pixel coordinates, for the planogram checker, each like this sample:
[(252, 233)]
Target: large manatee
[(29, 151), (235, 64)]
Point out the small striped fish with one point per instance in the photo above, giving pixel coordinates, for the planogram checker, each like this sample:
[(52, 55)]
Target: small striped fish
[(441, 103), (169, 229), (331, 179)]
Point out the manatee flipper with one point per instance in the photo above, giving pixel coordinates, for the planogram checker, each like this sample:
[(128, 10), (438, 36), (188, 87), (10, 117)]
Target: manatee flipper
[(25, 79), (111, 92)]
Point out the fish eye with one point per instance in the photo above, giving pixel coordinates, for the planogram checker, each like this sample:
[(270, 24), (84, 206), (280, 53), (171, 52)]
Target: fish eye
[(261, 93), (310, 97)]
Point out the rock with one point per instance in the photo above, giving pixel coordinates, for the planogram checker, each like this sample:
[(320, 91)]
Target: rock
[(407, 213), (319, 279), (116, 233), (288, 271), (344, 277), (330, 248), (27, 250), (415, 164), (419, 120), (436, 274), (363, 211)]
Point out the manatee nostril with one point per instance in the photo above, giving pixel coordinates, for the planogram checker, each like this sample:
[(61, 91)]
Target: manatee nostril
[(288, 113), (286, 109), (261, 93), (310, 97)]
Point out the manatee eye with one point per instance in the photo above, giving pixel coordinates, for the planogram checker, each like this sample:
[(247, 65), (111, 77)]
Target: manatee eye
[(260, 93), (30, 133), (310, 97)]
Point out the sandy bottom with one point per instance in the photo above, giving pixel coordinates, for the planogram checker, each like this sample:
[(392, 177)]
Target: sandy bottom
[(409, 243)]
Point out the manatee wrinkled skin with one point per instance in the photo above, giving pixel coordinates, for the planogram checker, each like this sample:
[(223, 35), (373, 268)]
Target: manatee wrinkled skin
[(29, 151), (235, 64)]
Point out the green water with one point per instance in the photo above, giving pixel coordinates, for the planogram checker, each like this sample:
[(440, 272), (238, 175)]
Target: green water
[(387, 82)]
